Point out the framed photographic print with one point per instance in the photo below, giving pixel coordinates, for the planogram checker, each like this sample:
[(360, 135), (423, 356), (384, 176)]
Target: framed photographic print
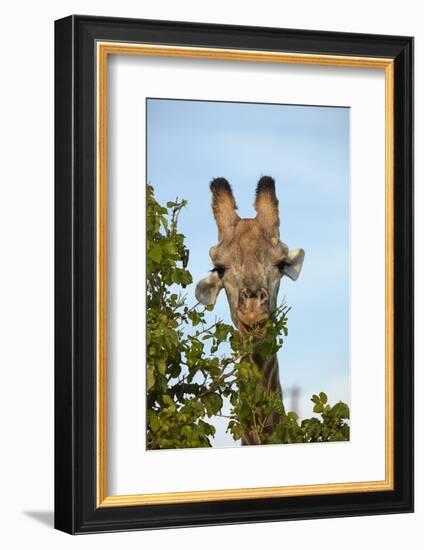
[(234, 274)]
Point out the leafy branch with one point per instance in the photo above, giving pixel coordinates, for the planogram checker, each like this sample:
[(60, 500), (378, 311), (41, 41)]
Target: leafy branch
[(188, 382)]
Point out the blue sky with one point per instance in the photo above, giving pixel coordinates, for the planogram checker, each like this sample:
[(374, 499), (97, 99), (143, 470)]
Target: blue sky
[(306, 150)]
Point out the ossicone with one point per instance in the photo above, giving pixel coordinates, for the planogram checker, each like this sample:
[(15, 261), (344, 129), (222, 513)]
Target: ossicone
[(224, 207), (266, 206)]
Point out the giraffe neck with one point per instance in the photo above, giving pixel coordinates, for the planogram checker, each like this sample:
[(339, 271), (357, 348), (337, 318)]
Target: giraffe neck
[(270, 373), (271, 382)]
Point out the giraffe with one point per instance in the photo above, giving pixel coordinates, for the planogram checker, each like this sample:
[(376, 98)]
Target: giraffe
[(249, 261)]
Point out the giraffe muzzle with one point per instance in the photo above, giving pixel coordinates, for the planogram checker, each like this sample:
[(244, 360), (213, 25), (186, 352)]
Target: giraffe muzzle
[(253, 308)]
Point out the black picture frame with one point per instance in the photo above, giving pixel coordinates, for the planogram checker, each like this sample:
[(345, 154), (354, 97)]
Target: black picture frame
[(76, 510)]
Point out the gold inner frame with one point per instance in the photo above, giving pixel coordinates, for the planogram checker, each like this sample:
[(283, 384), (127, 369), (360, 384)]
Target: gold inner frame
[(104, 49)]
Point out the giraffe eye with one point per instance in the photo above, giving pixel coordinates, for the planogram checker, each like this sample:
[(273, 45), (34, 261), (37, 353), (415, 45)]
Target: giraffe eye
[(220, 270), (281, 265)]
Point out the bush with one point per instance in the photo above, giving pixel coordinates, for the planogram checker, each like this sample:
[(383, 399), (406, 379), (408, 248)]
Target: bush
[(187, 377)]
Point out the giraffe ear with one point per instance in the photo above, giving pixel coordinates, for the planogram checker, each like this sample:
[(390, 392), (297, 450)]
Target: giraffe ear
[(293, 263), (207, 289)]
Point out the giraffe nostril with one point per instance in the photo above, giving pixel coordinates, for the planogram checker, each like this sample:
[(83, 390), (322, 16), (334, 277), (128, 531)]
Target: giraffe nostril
[(263, 294), (245, 294)]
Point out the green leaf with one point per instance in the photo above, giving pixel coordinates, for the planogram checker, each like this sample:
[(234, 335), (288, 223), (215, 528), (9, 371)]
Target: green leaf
[(186, 430), (340, 410), (155, 253), (323, 397), (245, 412), (213, 403), (259, 392), (150, 378), (154, 423), (161, 366), (167, 399)]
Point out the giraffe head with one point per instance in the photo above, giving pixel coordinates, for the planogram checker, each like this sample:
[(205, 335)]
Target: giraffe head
[(249, 259)]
